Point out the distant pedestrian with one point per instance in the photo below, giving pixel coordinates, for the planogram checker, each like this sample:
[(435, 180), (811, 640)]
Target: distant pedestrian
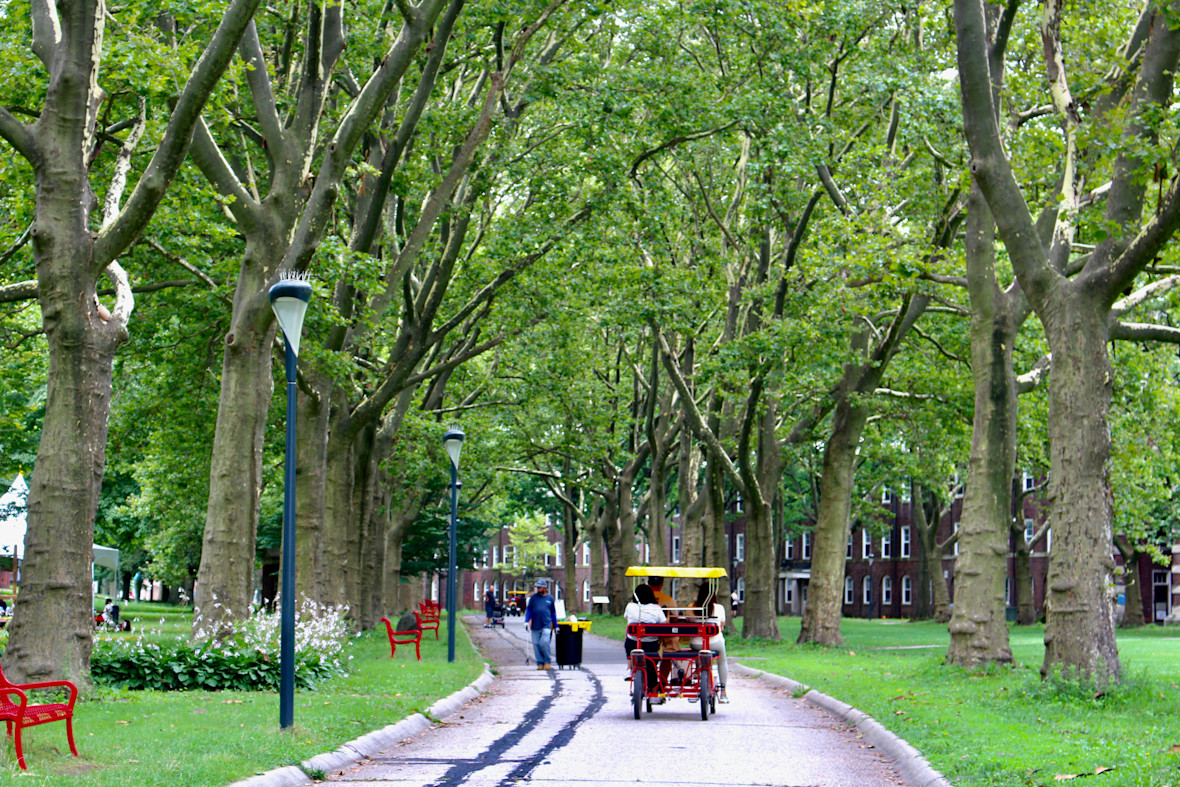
[(540, 618), (489, 606)]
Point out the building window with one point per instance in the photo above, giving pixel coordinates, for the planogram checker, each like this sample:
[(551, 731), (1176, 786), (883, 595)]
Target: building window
[(485, 558), (741, 590), (906, 540), (1029, 482), (1048, 541), (867, 591), (956, 530), (907, 590), (586, 554), (510, 555), (675, 549), (585, 591), (848, 550), (807, 546), (547, 560), (495, 556), (739, 547), (886, 590), (866, 544), (646, 553), (1008, 591), (887, 545), (1030, 527), (788, 592), (475, 592), (557, 551), (847, 590), (886, 497), (790, 550), (738, 505)]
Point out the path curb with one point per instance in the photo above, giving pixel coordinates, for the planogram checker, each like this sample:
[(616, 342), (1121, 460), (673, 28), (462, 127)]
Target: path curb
[(908, 760), (367, 745)]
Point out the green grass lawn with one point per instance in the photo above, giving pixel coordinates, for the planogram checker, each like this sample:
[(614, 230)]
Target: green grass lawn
[(213, 738), (1004, 727)]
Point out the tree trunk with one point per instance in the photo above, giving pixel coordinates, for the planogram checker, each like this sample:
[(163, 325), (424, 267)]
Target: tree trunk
[(825, 596), (50, 635), (758, 617), (1026, 609), (310, 480), (978, 627), (339, 558), (226, 574), (1079, 617)]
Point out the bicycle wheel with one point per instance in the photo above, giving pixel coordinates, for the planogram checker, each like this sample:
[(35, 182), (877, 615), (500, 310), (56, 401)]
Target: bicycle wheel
[(706, 695), (638, 681)]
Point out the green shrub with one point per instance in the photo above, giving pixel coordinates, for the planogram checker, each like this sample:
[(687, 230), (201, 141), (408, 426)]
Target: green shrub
[(207, 666), (247, 662)]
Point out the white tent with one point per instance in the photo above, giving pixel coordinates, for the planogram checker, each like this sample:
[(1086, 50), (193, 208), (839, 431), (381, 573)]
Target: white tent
[(12, 518), (13, 527)]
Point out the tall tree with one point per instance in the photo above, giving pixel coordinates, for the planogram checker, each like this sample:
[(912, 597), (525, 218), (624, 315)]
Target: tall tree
[(50, 635), (1075, 312)]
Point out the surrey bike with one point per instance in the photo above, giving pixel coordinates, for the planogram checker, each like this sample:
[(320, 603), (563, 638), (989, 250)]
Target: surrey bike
[(679, 671)]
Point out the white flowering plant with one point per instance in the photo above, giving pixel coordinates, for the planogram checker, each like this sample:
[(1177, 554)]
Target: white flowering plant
[(247, 661)]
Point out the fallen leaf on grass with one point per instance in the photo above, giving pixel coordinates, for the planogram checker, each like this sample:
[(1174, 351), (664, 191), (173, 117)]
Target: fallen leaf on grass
[(1064, 777), (233, 702), (1174, 748), (120, 721)]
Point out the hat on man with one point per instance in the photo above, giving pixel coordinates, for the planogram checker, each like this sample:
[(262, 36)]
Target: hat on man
[(541, 583)]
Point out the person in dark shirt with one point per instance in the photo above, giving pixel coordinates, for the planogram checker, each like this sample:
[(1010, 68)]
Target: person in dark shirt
[(540, 618)]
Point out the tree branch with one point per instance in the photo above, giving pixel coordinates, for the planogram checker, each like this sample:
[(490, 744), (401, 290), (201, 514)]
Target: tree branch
[(172, 148)]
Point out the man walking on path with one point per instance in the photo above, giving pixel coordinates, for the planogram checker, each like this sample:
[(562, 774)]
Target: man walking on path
[(540, 618)]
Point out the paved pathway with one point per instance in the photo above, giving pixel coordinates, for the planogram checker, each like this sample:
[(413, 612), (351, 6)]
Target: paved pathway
[(576, 727)]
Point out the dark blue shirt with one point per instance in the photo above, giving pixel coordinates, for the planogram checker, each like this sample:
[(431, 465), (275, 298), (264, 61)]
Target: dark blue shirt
[(540, 612)]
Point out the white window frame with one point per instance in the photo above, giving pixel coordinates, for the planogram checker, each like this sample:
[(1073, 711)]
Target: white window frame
[(675, 549), (1008, 591), (557, 552), (956, 530), (886, 496), (887, 545), (906, 541), (741, 590), (1030, 529), (789, 551), (866, 593), (646, 552), (866, 544), (585, 591), (886, 590), (1028, 481), (907, 590), (585, 553), (738, 505), (806, 551), (739, 547), (495, 556), (848, 550), (848, 590)]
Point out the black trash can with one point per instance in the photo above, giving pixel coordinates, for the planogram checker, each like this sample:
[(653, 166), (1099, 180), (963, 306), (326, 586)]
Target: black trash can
[(569, 643)]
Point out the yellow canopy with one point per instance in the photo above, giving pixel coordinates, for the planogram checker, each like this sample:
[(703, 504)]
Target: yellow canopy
[(676, 572)]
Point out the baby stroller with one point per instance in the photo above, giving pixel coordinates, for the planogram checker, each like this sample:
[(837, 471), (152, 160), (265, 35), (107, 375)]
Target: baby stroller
[(498, 616)]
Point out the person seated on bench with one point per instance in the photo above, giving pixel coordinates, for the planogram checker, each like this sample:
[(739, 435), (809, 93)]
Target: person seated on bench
[(712, 612), (644, 609)]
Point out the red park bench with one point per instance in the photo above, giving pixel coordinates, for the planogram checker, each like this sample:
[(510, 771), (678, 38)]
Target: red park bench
[(403, 638), (18, 713)]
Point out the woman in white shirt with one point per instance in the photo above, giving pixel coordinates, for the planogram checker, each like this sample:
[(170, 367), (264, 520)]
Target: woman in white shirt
[(712, 612), (644, 609)]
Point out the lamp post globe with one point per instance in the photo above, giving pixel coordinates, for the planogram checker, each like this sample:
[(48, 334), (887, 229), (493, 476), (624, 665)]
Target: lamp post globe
[(453, 442), (289, 299)]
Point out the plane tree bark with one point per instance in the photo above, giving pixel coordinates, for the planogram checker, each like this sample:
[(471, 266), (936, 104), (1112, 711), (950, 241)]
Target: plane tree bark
[(282, 230), (50, 636), (1075, 313)]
